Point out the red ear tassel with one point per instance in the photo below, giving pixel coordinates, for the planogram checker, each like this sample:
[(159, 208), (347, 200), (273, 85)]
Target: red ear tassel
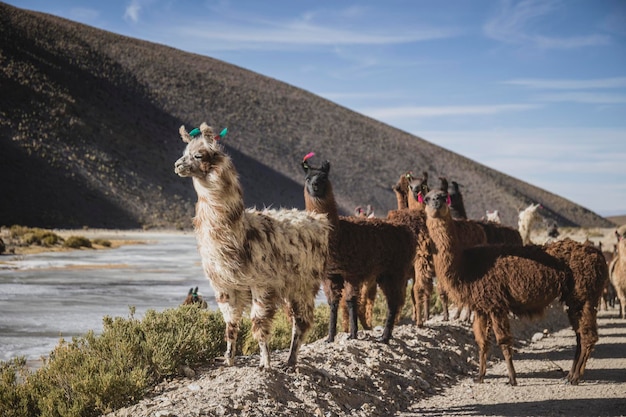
[(420, 199), (448, 200)]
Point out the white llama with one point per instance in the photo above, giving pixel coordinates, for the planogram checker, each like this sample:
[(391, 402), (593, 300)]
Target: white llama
[(258, 259), (526, 219)]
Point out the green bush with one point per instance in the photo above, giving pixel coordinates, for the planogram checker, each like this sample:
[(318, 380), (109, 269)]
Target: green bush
[(102, 242), (34, 236), (96, 374), (76, 242)]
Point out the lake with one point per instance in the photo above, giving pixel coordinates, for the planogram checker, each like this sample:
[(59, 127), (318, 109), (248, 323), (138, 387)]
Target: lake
[(46, 296)]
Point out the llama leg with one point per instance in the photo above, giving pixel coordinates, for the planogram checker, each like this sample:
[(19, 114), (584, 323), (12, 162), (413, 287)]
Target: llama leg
[(422, 275), (351, 294), (231, 307), (481, 335), (352, 314), (586, 338), (502, 331), (333, 288), (366, 305), (395, 299), (261, 316), (443, 296), (345, 319), (301, 319), (426, 295)]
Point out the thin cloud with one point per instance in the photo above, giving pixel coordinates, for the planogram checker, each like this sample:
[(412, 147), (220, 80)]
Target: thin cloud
[(512, 25), (132, 11), (390, 113), (583, 97), (569, 84)]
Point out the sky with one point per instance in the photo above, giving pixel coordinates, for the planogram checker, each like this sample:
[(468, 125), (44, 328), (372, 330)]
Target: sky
[(535, 89)]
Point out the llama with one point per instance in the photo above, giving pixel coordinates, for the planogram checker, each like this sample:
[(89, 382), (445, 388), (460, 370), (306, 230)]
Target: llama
[(368, 211), (618, 272), (492, 216), (363, 252), (526, 219), (194, 298), (457, 206), (496, 280), (257, 259)]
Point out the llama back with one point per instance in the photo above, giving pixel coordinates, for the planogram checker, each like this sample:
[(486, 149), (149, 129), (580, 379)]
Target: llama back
[(292, 240), (380, 247), (588, 266), (501, 234), (524, 296)]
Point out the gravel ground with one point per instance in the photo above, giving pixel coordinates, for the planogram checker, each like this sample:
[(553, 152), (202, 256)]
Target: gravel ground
[(421, 372)]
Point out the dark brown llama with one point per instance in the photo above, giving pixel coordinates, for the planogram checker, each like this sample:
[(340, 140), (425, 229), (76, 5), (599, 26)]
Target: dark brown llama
[(496, 280), (363, 252)]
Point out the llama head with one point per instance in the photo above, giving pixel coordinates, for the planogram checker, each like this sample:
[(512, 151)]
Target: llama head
[(316, 179), (402, 186), (455, 187), (203, 153), (437, 204), (493, 216), (443, 184), (418, 187)]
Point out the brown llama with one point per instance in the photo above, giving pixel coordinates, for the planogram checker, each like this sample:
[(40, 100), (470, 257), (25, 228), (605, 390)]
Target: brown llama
[(253, 259), (194, 298), (471, 233), (364, 252), (618, 271), (496, 280)]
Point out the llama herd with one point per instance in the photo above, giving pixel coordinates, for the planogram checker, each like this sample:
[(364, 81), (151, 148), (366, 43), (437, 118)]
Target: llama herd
[(262, 260)]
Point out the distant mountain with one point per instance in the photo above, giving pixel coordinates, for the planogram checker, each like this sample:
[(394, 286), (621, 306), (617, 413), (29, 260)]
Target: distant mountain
[(89, 135)]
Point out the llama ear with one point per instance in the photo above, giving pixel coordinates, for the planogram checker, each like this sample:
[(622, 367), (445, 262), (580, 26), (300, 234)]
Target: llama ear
[(186, 137), (325, 167), (305, 165), (207, 132), (448, 200)]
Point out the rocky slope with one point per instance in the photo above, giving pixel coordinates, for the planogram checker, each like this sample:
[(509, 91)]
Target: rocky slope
[(89, 122)]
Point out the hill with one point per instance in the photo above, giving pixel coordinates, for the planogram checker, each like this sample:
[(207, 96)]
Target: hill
[(89, 122)]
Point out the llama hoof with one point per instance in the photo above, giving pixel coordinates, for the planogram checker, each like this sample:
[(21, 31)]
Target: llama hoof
[(330, 340), (384, 340)]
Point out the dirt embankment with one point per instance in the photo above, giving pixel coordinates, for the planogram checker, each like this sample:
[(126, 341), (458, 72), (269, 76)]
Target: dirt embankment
[(421, 372)]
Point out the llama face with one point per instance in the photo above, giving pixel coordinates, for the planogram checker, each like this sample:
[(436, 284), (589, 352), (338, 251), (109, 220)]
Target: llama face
[(200, 157), (436, 203), (316, 180), (418, 186)]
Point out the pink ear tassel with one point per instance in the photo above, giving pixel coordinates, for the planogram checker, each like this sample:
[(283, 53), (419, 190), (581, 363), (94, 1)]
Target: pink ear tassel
[(448, 200), (420, 199), (307, 156)]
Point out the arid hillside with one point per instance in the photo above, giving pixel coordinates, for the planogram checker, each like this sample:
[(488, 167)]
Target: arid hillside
[(89, 122)]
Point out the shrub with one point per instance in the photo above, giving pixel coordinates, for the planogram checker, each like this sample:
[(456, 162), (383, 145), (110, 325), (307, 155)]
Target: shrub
[(102, 242), (96, 374), (34, 236), (76, 242)]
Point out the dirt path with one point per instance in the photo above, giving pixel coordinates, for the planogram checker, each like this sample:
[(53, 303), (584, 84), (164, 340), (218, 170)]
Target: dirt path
[(541, 391)]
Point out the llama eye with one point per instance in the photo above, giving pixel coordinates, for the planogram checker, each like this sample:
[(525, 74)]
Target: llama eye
[(198, 156)]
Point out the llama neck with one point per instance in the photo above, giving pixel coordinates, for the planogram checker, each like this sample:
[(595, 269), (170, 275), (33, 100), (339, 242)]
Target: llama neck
[(447, 256), (220, 205), (324, 205), (402, 200)]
